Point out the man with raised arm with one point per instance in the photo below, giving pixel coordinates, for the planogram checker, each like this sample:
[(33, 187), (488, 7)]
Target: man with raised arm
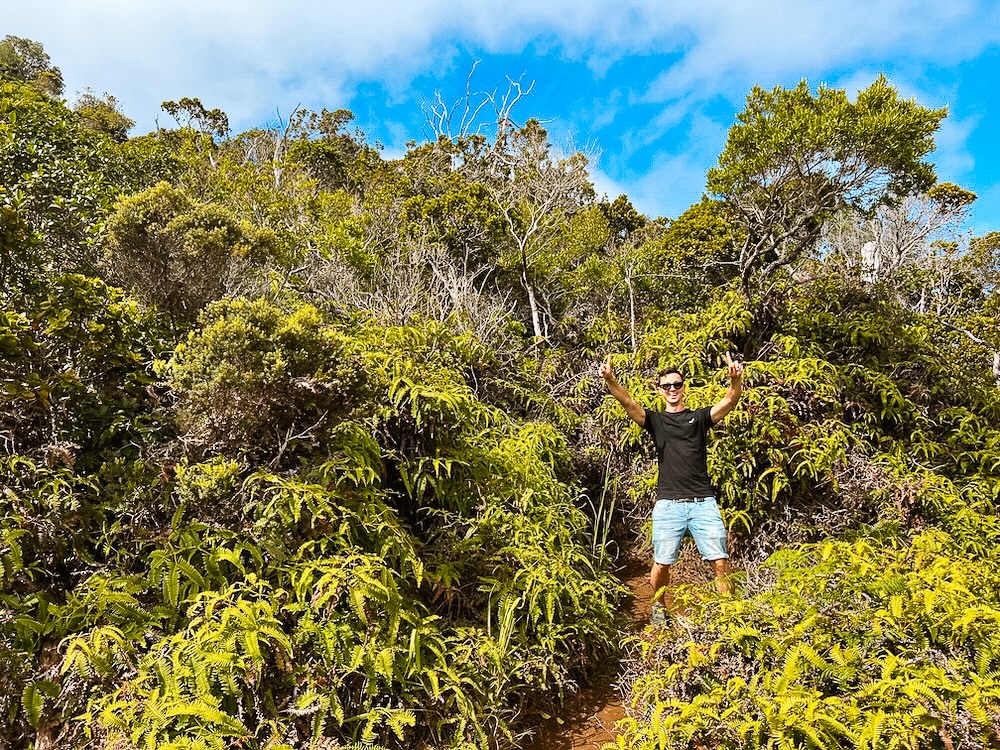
[(685, 498)]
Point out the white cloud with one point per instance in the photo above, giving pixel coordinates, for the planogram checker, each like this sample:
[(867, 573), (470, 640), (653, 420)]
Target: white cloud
[(671, 184), (954, 161), (605, 185), (736, 42), (240, 56), (310, 51)]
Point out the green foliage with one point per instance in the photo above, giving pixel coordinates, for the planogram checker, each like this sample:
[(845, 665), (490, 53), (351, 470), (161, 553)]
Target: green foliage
[(695, 254), (191, 114), (448, 208), (76, 372), (24, 60), (337, 160), (623, 219), (860, 644), (856, 411), (800, 456), (795, 158), (418, 572), (178, 254), (60, 179), (51, 169), (258, 379), (359, 506), (45, 515), (877, 133), (103, 114)]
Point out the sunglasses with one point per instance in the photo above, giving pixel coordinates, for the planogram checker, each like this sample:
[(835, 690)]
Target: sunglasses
[(671, 386)]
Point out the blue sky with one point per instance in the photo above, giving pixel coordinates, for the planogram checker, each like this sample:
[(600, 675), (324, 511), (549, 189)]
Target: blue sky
[(649, 87)]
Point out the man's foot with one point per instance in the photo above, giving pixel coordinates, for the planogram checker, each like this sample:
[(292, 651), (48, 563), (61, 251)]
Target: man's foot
[(659, 615)]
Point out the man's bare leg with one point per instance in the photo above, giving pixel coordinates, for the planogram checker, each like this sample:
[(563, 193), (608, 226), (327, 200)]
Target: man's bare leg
[(659, 576), (721, 569)]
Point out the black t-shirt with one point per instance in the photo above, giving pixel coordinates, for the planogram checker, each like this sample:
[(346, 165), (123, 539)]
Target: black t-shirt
[(681, 451)]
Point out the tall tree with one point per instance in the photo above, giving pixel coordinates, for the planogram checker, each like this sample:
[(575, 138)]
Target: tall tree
[(536, 192), (336, 157), (24, 60), (179, 254), (795, 159), (59, 177), (103, 114)]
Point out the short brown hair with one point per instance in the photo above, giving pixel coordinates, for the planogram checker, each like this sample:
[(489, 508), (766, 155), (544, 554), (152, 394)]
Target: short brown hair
[(667, 371)]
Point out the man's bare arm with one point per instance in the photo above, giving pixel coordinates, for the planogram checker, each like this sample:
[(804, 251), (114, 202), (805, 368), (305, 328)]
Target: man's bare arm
[(728, 402), (633, 409)]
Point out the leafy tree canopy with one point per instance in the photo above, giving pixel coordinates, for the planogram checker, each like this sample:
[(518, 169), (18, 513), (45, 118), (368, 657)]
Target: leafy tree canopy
[(103, 114), (794, 158), (25, 60)]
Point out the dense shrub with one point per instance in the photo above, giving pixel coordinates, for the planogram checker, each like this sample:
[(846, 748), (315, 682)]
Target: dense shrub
[(416, 573), (873, 642)]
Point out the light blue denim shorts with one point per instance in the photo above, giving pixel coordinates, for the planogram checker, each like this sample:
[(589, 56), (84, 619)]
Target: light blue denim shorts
[(672, 519)]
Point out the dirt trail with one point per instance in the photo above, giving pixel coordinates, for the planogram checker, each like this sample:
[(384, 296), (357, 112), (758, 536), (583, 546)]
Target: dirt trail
[(589, 717)]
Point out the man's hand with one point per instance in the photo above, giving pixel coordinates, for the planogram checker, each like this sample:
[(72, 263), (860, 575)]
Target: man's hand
[(721, 409), (635, 412), (735, 368), (605, 370)]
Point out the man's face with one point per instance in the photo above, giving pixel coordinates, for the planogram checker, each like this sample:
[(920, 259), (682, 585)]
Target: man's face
[(672, 388)]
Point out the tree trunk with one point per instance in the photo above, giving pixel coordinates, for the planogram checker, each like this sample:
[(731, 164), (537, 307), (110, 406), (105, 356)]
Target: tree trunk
[(631, 309), (536, 318)]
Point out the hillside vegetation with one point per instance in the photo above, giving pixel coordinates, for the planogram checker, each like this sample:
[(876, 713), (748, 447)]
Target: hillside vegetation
[(302, 447)]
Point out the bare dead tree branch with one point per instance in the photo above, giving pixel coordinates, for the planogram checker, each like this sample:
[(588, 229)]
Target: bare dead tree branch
[(440, 115)]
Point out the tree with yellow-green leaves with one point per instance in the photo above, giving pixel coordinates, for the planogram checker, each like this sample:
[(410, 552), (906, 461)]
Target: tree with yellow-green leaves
[(795, 158), (26, 61)]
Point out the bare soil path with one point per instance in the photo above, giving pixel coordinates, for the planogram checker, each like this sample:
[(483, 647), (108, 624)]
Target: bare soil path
[(589, 717)]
